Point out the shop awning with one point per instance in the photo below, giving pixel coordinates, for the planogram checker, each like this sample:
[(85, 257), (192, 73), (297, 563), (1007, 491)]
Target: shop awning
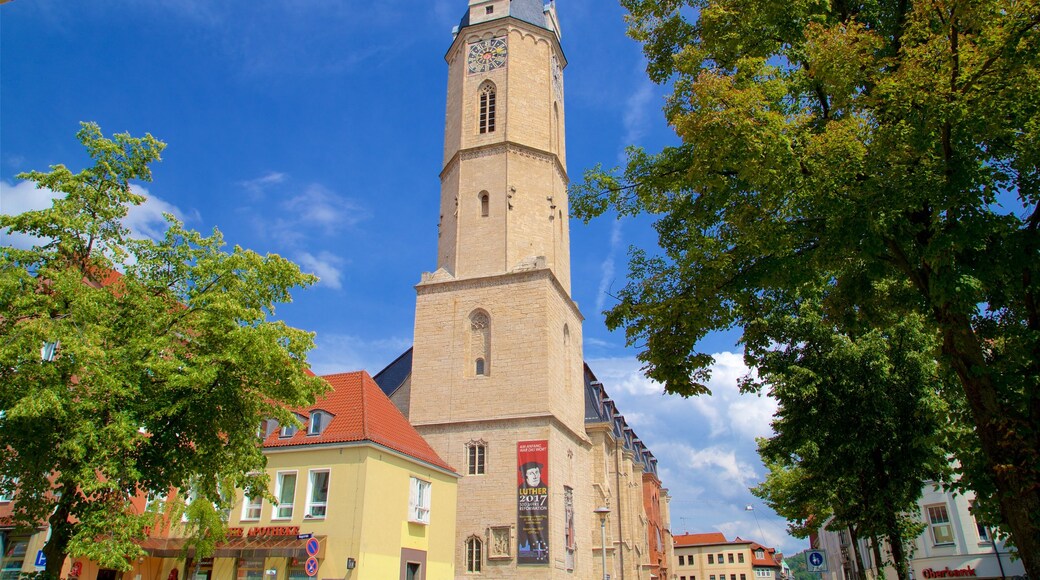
[(255, 547)]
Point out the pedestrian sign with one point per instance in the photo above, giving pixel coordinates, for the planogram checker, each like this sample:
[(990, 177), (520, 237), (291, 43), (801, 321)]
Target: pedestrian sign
[(816, 560)]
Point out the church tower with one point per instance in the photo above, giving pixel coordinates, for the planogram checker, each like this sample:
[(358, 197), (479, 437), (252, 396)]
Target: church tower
[(497, 384)]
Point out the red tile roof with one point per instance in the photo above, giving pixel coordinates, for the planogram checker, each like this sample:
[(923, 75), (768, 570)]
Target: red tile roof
[(360, 412), (708, 539), (770, 559)]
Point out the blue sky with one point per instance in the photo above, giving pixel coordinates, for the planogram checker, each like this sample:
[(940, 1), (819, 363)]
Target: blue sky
[(314, 129)]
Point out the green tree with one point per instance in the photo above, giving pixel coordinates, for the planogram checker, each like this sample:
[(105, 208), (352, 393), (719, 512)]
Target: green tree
[(159, 362), (869, 142), (859, 427)]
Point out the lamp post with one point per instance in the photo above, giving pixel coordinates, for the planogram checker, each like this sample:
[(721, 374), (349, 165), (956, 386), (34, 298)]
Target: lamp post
[(602, 513)]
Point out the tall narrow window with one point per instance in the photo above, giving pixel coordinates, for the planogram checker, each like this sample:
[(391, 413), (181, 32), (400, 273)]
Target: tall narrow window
[(476, 453), (485, 204), (318, 493), (480, 343), (419, 501), (286, 494), (251, 507), (979, 525), (939, 518), (474, 554), (487, 108)]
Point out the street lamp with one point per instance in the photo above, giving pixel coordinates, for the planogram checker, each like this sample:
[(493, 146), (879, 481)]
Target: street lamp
[(602, 513)]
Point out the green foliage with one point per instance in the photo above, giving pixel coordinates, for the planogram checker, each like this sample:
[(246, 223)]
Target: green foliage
[(859, 427), (166, 365), (799, 567), (881, 144)]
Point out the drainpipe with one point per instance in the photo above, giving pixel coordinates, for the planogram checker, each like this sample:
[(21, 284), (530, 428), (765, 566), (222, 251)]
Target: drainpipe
[(999, 563), (621, 538)]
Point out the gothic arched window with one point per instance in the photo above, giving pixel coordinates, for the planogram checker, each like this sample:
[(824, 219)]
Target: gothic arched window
[(474, 554), (487, 108), (480, 342)]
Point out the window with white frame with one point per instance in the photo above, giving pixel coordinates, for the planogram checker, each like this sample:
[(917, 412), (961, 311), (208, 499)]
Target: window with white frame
[(318, 493), (474, 554), (476, 454), (251, 507), (285, 491), (287, 431), (939, 522), (419, 501)]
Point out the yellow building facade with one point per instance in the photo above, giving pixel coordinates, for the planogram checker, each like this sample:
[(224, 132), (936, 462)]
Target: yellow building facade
[(361, 496)]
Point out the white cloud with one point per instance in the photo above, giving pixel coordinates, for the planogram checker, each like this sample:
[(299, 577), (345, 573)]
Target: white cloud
[(144, 221), (637, 110), (317, 206), (326, 266), (257, 186), (705, 447), (607, 268)]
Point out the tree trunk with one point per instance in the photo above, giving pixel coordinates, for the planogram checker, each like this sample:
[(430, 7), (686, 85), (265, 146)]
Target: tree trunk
[(861, 570), (896, 548), (61, 533), (1009, 457)]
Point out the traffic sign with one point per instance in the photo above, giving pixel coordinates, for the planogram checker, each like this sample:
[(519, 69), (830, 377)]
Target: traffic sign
[(41, 559), (312, 566), (312, 547), (816, 560)]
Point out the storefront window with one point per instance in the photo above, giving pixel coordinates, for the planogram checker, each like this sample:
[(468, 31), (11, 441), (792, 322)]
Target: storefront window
[(298, 572), (250, 569)]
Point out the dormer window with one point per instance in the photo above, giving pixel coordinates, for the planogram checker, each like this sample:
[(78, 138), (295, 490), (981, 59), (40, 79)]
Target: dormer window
[(287, 431), (317, 423)]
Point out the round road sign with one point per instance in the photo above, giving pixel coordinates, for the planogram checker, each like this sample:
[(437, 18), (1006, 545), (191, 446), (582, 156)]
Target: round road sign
[(312, 547), (312, 566)]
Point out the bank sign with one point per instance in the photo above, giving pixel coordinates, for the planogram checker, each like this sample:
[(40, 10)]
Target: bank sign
[(965, 572)]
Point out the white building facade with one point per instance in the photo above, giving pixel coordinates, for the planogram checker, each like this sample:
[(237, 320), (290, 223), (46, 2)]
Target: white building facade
[(953, 545)]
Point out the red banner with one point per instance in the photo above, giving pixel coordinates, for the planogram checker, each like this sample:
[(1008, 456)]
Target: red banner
[(532, 502)]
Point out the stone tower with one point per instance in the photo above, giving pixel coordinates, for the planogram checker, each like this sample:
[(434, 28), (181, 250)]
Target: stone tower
[(497, 378)]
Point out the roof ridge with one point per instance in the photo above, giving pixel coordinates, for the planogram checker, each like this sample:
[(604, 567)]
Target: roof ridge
[(366, 432)]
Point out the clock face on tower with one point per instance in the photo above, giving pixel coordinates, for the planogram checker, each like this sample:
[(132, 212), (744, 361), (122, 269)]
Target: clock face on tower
[(486, 55)]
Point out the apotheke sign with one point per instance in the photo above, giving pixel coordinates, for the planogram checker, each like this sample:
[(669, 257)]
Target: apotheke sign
[(965, 572), (264, 531)]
